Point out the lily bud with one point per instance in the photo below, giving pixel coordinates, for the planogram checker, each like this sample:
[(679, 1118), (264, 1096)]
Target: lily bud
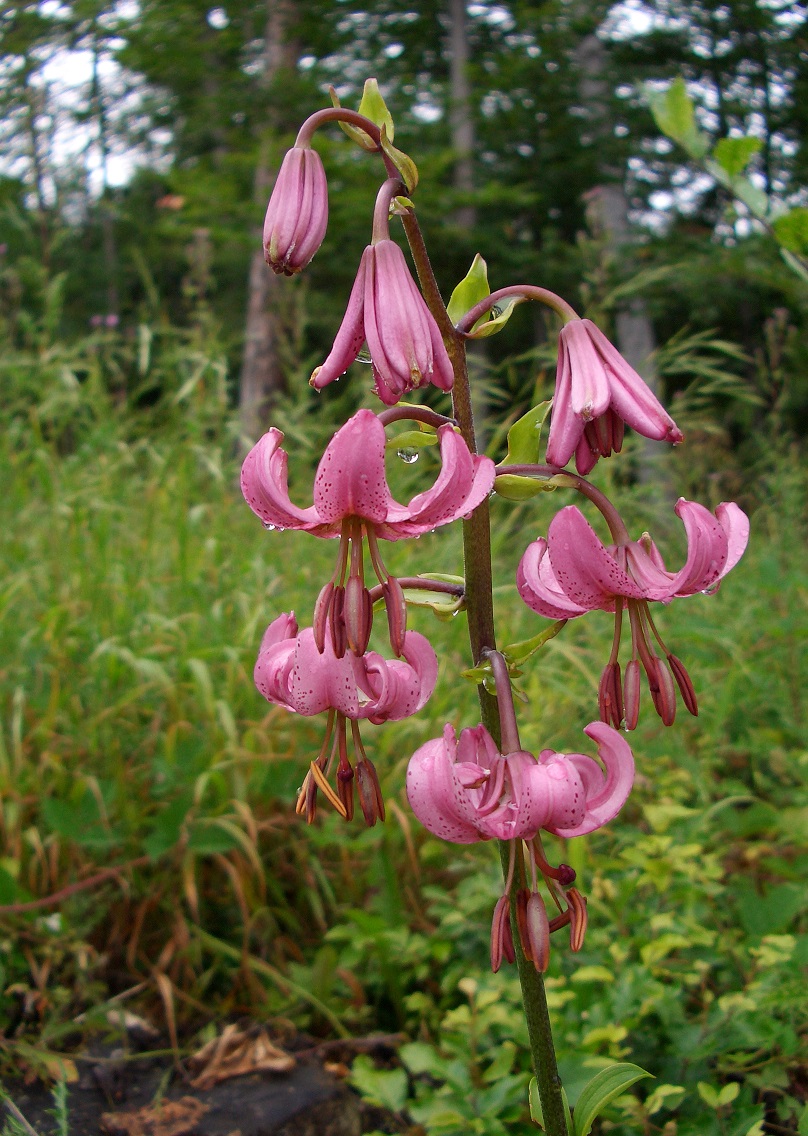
[(297, 214)]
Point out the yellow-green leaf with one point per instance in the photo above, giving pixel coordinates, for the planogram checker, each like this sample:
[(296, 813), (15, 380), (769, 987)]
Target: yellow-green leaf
[(471, 289)]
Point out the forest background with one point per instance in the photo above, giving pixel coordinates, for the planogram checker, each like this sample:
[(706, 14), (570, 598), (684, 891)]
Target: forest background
[(145, 344)]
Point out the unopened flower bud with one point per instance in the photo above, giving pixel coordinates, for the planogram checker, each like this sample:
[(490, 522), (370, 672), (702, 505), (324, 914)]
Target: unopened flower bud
[(297, 214)]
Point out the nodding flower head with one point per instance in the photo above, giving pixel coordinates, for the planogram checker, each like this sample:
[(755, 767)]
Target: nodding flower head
[(297, 214), (596, 393), (387, 310), (572, 572)]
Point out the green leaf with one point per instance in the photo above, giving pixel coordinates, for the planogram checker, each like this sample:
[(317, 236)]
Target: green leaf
[(536, 1113), (497, 318), (708, 1095), (167, 827), (802, 1125), (734, 154), (795, 263), (518, 653), (403, 162), (412, 439), (354, 133), (471, 289), (664, 1096), (518, 487), (604, 1087), (674, 114), (78, 821), (374, 107), (791, 230), (524, 437), (386, 1088)]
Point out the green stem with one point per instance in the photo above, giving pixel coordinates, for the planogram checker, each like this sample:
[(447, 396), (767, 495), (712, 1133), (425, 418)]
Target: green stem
[(480, 612)]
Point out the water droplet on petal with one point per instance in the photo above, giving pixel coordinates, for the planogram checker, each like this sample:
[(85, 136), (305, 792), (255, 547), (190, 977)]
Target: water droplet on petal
[(713, 588), (269, 527), (408, 454)]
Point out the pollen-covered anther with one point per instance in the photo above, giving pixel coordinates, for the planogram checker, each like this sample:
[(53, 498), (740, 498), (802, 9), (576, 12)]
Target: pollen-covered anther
[(610, 695), (345, 788), (578, 918), (538, 931), (357, 615), (322, 608), (370, 792), (322, 784), (631, 694), (522, 897), (660, 683), (336, 620), (396, 607), (685, 684), (501, 937)]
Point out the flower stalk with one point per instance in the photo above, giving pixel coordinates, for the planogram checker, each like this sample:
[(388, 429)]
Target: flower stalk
[(478, 571)]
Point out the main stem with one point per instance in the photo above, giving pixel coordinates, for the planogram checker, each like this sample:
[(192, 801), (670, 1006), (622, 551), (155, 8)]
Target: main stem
[(480, 612)]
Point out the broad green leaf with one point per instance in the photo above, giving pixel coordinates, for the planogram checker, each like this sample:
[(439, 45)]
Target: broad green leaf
[(524, 437), (674, 114), (411, 439), (791, 230), (795, 263), (471, 289), (753, 198), (517, 487), (403, 162), (518, 653), (386, 1088), (802, 1125), (664, 1096), (728, 1094), (604, 1087), (734, 154), (708, 1094), (374, 107), (354, 133), (498, 317)]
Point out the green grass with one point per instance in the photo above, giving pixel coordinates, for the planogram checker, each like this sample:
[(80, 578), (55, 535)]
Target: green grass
[(136, 587)]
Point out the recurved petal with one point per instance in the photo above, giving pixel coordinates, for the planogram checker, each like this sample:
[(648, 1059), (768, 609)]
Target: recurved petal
[(735, 524), (589, 386), (350, 479), (400, 687), (538, 587), (566, 428), (615, 753), (631, 397), (465, 479), (264, 483), (432, 790), (351, 334), (586, 572), (320, 682), (707, 547)]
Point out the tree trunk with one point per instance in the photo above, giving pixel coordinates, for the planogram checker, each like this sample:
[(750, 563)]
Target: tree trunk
[(608, 212), (262, 377)]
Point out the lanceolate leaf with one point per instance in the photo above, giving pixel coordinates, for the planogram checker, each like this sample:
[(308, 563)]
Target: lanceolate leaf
[(674, 114), (604, 1087), (471, 289), (403, 162), (524, 437), (374, 107)]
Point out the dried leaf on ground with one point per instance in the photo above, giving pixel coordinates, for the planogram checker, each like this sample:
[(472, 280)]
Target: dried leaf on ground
[(168, 1118), (234, 1053)]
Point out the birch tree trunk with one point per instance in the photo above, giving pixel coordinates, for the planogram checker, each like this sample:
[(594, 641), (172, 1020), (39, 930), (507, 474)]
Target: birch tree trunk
[(608, 212), (262, 376)]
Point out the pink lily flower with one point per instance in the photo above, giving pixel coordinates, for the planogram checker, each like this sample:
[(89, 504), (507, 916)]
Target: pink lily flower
[(293, 672), (596, 393), (572, 572), (386, 309), (297, 214), (352, 501), (464, 790), (350, 483)]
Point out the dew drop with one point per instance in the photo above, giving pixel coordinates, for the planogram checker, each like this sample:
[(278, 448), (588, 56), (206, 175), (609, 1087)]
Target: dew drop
[(408, 454), (713, 588), (269, 527)]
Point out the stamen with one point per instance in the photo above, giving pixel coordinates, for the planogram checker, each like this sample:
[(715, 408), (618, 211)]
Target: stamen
[(684, 683), (578, 919), (320, 617), (631, 694), (501, 934), (522, 896), (322, 784), (538, 932), (396, 607), (564, 874)]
